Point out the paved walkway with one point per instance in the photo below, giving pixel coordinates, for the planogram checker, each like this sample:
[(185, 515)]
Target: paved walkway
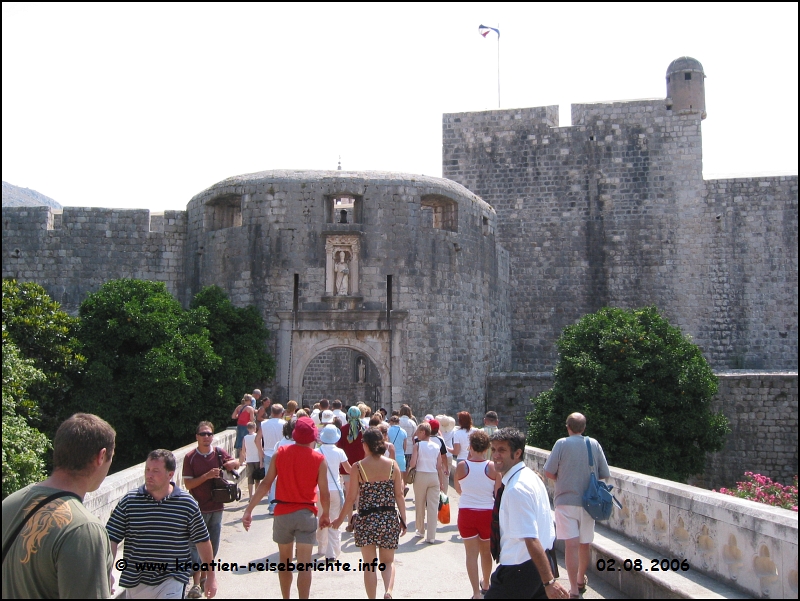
[(423, 571)]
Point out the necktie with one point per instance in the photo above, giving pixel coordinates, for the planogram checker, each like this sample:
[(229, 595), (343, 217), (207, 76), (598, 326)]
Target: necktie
[(495, 536)]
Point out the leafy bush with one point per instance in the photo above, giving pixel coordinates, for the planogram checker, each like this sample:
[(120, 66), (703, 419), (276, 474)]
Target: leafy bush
[(46, 335), (238, 336), (644, 388), (155, 370), (763, 490), (148, 360), (134, 357), (24, 447)]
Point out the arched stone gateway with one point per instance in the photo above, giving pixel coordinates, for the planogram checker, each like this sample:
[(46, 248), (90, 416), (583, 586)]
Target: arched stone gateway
[(318, 362), (341, 373)]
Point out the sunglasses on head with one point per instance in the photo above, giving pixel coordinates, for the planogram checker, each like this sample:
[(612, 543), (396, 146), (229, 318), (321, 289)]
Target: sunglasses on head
[(205, 434)]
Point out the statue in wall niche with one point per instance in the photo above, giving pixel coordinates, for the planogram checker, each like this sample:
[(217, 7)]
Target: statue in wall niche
[(362, 370), (342, 270)]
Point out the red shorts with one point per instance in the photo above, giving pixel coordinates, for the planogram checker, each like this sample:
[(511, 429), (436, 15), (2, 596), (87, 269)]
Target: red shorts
[(475, 522)]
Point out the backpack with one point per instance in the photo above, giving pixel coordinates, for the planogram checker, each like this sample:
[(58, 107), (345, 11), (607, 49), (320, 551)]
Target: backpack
[(598, 500)]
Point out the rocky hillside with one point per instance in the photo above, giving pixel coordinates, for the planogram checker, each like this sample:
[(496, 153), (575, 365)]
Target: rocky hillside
[(14, 196)]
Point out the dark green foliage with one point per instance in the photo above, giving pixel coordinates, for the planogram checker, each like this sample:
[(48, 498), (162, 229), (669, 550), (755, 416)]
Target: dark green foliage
[(148, 361), (44, 334), (238, 336), (24, 447), (644, 388), (150, 368)]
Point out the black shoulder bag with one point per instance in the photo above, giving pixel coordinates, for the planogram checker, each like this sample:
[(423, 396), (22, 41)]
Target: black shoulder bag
[(223, 491)]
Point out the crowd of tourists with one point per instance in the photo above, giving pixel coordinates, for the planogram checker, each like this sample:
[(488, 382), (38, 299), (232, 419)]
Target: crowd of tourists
[(322, 469)]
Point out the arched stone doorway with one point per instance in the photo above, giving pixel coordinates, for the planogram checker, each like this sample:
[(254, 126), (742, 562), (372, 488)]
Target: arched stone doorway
[(342, 373)]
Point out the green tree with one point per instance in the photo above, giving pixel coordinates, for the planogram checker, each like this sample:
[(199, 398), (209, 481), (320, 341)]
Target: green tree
[(644, 388), (239, 337), (148, 361), (24, 447), (45, 334)]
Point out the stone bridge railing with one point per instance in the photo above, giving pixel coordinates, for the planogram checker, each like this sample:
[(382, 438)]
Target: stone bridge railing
[(746, 544), (102, 501)]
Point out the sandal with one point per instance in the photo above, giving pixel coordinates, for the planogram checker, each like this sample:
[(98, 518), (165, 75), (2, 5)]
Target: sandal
[(483, 590), (582, 587)]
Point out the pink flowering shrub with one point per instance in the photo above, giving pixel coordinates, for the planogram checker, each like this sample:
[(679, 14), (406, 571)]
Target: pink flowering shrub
[(763, 490)]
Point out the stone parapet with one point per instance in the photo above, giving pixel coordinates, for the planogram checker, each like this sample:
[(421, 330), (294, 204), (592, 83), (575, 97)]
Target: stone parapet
[(748, 545), (103, 501)]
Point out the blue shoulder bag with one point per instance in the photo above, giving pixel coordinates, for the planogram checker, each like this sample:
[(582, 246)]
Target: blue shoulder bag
[(598, 500)]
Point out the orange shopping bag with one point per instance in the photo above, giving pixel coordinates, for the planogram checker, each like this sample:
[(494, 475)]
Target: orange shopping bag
[(444, 509)]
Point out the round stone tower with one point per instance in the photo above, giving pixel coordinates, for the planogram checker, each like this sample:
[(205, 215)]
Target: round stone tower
[(382, 288), (685, 87)]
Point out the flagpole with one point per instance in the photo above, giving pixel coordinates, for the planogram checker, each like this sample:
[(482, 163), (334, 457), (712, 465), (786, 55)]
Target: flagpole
[(498, 65)]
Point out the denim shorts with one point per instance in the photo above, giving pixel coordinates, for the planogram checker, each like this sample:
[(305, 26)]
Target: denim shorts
[(213, 522)]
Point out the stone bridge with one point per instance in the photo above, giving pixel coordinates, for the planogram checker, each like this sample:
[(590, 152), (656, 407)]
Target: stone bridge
[(734, 548)]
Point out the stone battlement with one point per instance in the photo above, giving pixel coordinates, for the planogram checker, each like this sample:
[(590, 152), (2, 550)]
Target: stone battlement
[(74, 251)]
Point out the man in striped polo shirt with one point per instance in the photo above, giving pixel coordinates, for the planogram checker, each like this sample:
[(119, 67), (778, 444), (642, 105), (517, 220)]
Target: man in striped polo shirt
[(158, 520)]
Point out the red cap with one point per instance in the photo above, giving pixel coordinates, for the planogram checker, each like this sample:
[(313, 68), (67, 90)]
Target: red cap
[(305, 431), (434, 424)]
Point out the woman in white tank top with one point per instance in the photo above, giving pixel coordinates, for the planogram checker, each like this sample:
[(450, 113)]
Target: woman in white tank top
[(475, 481)]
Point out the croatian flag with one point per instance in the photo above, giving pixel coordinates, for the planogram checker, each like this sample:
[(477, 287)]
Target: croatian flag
[(484, 31)]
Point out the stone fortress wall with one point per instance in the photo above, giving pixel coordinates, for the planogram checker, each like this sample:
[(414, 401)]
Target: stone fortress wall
[(613, 211), (72, 253)]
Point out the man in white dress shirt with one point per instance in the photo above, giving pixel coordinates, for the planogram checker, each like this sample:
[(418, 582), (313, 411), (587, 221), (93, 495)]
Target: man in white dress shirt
[(522, 527)]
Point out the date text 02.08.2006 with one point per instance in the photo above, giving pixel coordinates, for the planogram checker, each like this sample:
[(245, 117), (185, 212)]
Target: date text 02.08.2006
[(636, 565)]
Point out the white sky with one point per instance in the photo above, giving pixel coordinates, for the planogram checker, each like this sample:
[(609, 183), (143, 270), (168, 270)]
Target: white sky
[(145, 105)]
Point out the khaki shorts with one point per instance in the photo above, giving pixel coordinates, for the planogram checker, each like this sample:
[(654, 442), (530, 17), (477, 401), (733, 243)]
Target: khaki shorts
[(573, 522), (298, 526), (169, 589)]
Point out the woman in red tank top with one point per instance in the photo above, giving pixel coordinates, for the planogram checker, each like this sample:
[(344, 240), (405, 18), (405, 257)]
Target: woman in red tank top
[(243, 414)]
